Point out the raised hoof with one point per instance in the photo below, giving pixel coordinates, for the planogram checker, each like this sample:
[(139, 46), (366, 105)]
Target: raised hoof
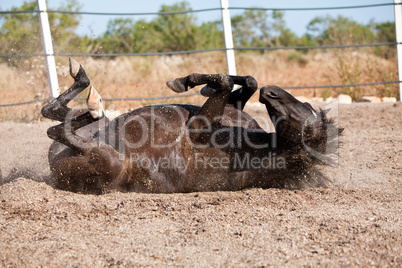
[(74, 67), (178, 85), (207, 91), (95, 104)]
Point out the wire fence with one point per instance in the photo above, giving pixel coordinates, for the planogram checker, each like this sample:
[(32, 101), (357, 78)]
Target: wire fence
[(9, 56), (169, 53), (198, 10), (198, 94)]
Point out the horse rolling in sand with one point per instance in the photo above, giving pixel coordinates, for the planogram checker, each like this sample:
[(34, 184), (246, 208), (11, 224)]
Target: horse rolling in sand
[(185, 148)]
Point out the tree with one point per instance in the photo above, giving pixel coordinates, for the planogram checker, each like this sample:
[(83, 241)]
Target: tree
[(258, 28), (339, 31), (20, 32), (119, 36), (278, 27), (210, 35), (176, 31), (385, 33), (252, 29), (63, 26), (171, 32)]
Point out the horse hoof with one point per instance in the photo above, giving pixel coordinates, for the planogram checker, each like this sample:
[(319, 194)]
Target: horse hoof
[(74, 67), (207, 91), (178, 85), (95, 104)]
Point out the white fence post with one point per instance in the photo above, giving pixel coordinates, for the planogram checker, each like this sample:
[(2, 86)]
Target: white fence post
[(398, 29), (227, 29), (48, 48)]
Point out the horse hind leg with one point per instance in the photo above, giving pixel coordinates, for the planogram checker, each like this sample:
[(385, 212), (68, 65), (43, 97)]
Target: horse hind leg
[(94, 172), (65, 132), (95, 104), (57, 109), (94, 166)]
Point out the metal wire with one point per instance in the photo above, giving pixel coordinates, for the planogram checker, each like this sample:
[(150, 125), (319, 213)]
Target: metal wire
[(346, 85), (24, 103), (197, 94), (194, 51), (195, 10), (314, 8), (106, 99)]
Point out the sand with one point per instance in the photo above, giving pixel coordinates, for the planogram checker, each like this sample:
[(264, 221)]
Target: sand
[(356, 222)]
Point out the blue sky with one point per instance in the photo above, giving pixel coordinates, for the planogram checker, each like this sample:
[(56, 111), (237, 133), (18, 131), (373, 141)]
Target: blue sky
[(295, 20)]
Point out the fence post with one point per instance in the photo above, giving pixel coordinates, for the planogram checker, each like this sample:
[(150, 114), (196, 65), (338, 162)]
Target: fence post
[(227, 30), (398, 29), (48, 48)]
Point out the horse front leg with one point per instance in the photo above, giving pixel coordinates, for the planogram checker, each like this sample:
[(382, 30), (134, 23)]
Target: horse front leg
[(238, 98), (212, 110)]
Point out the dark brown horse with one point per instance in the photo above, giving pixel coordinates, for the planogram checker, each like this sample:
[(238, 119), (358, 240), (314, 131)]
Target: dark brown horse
[(184, 148)]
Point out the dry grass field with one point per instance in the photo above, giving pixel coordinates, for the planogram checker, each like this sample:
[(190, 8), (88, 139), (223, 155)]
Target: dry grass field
[(142, 77)]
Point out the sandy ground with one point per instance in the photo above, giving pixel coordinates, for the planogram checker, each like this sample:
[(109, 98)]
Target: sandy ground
[(356, 222)]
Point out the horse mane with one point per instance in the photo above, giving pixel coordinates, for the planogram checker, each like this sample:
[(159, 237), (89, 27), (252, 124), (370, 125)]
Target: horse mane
[(319, 147)]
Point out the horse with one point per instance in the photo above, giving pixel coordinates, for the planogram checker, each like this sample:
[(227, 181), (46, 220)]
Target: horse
[(179, 148)]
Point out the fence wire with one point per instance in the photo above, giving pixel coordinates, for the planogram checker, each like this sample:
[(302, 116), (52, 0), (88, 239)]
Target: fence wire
[(197, 10), (198, 94), (169, 53), (24, 102)]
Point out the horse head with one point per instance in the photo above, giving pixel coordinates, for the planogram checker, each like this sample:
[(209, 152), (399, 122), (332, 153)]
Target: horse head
[(301, 126)]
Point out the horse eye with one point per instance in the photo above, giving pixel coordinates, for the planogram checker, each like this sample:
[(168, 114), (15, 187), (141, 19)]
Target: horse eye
[(273, 95)]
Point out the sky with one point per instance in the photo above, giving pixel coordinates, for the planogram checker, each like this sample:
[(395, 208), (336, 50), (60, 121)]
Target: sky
[(297, 21)]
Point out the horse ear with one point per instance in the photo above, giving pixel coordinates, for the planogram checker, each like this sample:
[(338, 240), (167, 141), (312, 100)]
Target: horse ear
[(309, 105), (326, 111)]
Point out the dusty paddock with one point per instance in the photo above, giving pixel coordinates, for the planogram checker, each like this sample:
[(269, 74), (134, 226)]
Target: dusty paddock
[(357, 222)]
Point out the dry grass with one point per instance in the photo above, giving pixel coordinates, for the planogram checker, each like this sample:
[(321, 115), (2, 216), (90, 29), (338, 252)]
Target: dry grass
[(146, 76)]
